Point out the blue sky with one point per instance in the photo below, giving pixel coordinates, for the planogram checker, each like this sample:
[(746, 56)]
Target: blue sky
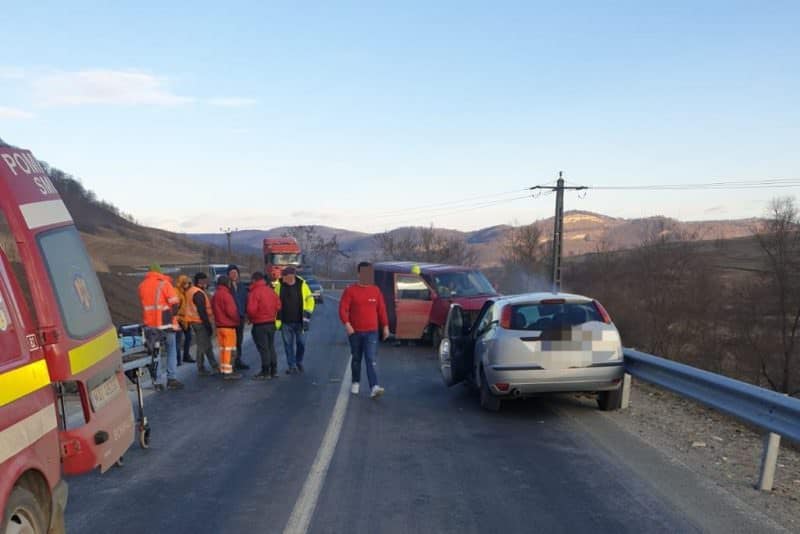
[(209, 114)]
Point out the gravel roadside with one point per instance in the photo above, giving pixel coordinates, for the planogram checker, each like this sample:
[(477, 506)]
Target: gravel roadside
[(715, 445)]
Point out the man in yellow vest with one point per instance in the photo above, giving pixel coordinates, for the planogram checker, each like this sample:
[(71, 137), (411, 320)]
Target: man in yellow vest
[(200, 318)]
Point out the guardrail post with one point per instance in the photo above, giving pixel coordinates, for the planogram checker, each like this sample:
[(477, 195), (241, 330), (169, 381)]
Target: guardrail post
[(769, 460), (626, 392)]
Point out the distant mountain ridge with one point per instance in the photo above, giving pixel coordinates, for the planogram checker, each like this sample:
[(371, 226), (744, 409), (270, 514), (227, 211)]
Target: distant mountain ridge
[(584, 232)]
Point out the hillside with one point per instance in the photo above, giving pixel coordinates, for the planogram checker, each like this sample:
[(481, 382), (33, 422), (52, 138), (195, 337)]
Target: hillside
[(116, 242), (584, 232)]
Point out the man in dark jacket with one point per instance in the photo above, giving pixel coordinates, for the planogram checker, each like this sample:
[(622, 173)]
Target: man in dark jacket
[(263, 305), (297, 305), (199, 316), (239, 291)]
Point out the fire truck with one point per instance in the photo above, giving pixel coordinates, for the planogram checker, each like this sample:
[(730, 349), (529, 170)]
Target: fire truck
[(64, 406), (280, 252)]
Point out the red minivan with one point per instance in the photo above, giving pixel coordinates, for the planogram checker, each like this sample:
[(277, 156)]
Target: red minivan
[(418, 296)]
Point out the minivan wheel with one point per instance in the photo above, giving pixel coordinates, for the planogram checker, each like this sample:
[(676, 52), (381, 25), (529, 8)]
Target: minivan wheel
[(608, 401), (436, 337), (23, 514), (489, 401)]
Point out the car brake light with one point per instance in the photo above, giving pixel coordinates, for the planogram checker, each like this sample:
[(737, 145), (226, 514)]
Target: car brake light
[(552, 301), (602, 311), (505, 318), (502, 386)]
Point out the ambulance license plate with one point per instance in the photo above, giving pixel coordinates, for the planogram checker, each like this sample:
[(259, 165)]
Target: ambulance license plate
[(103, 393)]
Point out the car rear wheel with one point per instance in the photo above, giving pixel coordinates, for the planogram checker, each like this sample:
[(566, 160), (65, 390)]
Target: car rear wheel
[(23, 514), (608, 401), (489, 401)]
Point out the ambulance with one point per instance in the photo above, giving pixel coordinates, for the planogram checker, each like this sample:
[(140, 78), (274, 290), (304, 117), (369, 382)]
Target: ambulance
[(64, 407)]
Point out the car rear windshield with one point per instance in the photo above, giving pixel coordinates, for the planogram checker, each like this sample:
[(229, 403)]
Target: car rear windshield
[(462, 284), (80, 298), (542, 317)]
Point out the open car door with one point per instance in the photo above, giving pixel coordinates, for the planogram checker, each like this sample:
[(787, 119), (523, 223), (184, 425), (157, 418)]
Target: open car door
[(73, 323), (457, 348)]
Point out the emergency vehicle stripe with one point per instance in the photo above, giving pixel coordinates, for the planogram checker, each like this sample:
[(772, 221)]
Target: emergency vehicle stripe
[(25, 433), (23, 381), (88, 354), (45, 213)]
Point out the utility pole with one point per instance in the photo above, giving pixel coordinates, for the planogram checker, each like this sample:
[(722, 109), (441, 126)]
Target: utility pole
[(558, 225), (228, 233)]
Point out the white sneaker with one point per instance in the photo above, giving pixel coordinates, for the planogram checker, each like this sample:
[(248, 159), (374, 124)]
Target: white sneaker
[(377, 391), (354, 389)]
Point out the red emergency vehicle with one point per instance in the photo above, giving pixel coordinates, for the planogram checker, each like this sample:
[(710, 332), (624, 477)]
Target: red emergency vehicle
[(280, 252), (64, 407)]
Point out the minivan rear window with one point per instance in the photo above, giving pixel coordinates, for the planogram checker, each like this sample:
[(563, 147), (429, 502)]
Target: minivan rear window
[(83, 307), (542, 317)]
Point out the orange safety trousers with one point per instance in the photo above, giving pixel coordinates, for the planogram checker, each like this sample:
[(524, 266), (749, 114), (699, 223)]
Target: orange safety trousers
[(226, 337)]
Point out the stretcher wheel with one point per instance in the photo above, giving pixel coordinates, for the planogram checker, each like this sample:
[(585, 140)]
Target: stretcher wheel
[(144, 438)]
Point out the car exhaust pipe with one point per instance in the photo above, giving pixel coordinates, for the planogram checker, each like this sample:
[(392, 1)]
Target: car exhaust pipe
[(515, 393)]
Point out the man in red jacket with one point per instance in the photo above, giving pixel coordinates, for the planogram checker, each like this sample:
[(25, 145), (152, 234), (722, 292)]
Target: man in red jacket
[(363, 312), (263, 305), (226, 317)]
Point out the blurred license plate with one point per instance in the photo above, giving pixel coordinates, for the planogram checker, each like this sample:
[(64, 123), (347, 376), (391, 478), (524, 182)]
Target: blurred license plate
[(105, 392)]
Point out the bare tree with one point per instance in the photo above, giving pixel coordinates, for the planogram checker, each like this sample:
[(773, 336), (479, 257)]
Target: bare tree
[(525, 258), (326, 252), (425, 245), (779, 240)]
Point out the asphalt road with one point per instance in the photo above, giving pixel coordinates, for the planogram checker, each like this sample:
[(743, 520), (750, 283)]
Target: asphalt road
[(236, 457)]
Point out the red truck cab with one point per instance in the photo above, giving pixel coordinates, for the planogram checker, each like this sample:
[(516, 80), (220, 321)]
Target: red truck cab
[(418, 296), (64, 407), (280, 252)]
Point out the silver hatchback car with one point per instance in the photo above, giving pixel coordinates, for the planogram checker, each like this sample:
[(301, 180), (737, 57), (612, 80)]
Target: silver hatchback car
[(534, 343)]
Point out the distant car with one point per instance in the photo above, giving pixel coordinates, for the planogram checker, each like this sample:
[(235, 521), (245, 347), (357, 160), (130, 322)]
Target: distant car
[(314, 286), (526, 345)]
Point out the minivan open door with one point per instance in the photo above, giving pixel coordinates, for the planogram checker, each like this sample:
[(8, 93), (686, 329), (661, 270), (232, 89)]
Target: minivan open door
[(73, 322), (456, 349)]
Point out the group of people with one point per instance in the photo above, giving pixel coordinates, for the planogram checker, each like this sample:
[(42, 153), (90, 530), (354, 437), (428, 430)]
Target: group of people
[(285, 305), (186, 311)]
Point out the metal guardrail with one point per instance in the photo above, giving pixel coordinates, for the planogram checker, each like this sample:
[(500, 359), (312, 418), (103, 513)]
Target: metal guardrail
[(777, 414), (336, 284)]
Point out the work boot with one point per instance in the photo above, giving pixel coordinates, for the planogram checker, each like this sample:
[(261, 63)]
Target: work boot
[(232, 376), (188, 359), (274, 372), (263, 375), (301, 368), (174, 384)]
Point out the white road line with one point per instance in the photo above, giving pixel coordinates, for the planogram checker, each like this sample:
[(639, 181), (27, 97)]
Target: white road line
[(303, 511)]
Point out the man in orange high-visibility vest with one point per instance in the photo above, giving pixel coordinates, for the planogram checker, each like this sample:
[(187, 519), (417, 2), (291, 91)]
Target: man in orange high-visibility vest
[(200, 316), (159, 315)]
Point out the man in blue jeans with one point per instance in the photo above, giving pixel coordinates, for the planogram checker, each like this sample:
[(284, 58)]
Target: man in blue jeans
[(363, 313), (294, 318)]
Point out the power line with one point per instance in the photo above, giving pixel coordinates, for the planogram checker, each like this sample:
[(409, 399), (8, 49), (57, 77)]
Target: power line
[(462, 209), (446, 204), (776, 183)]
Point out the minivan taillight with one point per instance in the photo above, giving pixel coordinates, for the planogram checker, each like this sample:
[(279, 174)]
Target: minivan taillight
[(602, 311), (505, 318)]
